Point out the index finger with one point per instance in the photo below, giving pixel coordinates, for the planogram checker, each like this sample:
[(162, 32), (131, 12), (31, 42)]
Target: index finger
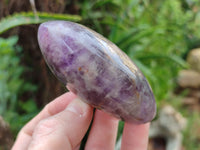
[(135, 137), (54, 107)]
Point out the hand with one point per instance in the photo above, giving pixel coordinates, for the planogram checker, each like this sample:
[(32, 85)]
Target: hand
[(62, 124)]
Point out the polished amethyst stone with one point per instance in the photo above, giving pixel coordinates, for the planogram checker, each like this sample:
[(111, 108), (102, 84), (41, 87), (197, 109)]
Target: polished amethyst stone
[(96, 70)]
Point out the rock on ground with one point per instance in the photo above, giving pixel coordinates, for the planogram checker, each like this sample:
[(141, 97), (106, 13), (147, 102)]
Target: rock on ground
[(194, 59), (189, 78)]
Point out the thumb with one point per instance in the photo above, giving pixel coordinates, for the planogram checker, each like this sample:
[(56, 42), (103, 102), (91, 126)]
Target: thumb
[(64, 130)]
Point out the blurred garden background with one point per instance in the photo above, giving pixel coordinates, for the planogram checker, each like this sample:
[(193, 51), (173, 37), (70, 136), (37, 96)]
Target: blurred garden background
[(161, 36)]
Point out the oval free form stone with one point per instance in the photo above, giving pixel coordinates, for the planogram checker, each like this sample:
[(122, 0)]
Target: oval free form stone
[(96, 70)]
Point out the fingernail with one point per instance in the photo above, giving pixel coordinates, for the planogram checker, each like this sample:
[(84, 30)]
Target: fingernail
[(78, 107)]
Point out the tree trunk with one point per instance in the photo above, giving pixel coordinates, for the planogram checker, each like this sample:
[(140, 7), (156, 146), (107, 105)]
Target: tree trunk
[(6, 138)]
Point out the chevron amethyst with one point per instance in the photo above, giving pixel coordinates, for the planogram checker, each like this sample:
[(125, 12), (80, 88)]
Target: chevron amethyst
[(96, 70)]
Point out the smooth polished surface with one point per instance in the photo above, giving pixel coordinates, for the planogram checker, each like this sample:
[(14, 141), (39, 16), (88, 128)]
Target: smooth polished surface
[(97, 71)]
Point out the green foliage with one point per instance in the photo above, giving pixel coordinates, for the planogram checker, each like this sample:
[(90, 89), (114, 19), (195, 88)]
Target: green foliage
[(192, 132), (120, 129), (94, 11), (25, 18), (12, 86)]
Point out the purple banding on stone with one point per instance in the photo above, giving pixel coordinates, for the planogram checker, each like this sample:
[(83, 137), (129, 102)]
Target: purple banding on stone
[(97, 71)]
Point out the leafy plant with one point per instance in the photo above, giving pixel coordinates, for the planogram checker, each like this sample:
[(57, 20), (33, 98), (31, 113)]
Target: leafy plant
[(25, 18), (12, 86)]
